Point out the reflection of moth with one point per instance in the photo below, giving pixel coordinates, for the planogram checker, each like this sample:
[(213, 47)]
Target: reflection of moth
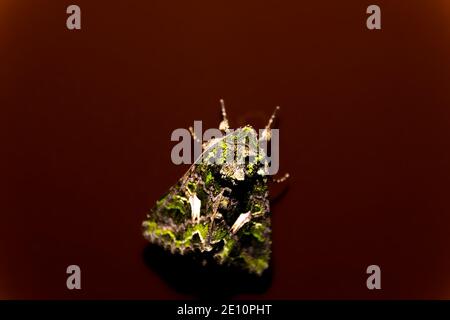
[(219, 210)]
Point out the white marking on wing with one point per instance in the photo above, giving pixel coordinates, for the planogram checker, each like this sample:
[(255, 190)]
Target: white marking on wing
[(195, 207), (240, 221)]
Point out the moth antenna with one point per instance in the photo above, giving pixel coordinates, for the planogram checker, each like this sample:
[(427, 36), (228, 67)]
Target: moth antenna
[(224, 123), (282, 179), (194, 136), (224, 111), (272, 117), (266, 135)]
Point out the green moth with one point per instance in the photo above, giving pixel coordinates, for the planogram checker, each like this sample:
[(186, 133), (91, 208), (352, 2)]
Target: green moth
[(219, 210)]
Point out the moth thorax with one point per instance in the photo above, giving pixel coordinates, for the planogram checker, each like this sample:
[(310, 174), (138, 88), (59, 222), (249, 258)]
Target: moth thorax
[(233, 171)]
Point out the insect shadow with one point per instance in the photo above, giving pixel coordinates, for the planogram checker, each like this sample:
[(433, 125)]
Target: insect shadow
[(210, 281)]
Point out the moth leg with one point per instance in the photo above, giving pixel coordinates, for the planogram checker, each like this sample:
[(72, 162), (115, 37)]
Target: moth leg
[(282, 179), (223, 126), (194, 136), (266, 134), (272, 117)]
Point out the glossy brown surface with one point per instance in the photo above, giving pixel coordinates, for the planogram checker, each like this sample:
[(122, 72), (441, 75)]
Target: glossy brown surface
[(85, 128)]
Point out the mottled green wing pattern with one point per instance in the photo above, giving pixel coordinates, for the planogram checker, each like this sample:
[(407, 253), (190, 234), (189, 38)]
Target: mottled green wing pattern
[(219, 209)]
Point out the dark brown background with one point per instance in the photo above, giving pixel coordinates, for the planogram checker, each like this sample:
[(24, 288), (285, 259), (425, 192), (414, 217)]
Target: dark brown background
[(86, 118)]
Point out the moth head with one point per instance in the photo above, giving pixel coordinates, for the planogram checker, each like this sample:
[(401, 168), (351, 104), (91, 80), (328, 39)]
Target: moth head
[(240, 153)]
